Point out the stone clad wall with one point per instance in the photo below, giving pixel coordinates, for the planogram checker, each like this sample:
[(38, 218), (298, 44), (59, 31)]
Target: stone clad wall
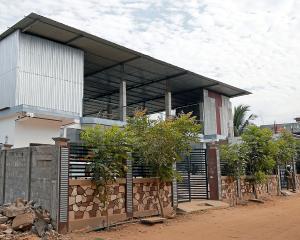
[(84, 202), (145, 197), (298, 181), (87, 211), (229, 189)]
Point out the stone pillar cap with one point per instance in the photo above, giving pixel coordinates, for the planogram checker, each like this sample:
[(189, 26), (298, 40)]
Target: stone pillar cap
[(6, 146), (61, 141)]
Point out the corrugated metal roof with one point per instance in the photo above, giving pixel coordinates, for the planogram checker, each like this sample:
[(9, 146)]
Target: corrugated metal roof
[(106, 63)]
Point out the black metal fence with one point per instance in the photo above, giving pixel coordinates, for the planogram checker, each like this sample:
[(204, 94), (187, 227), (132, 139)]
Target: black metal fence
[(80, 157), (193, 171)]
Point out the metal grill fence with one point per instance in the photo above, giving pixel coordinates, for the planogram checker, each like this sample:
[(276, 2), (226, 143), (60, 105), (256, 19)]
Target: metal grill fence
[(80, 159)]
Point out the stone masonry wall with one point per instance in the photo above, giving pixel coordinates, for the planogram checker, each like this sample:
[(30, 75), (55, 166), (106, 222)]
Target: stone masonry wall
[(229, 189), (87, 211), (298, 181), (145, 196), (84, 200)]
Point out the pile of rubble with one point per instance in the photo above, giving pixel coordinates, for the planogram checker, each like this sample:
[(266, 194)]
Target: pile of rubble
[(25, 218)]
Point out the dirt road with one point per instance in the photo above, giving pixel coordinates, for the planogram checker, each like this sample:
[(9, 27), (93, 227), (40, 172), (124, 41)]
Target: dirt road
[(277, 219)]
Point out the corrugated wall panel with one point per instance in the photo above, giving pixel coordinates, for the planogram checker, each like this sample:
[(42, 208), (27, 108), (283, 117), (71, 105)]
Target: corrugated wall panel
[(210, 121), (50, 75), (226, 117), (8, 66)]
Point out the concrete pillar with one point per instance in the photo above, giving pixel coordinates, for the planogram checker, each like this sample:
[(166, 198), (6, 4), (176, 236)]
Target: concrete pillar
[(168, 104), (3, 155), (294, 175), (214, 171), (123, 100)]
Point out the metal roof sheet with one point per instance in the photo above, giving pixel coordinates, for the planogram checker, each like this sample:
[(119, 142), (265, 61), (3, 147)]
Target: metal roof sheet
[(109, 62)]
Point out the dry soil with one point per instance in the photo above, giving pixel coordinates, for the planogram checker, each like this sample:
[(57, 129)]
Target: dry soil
[(276, 219)]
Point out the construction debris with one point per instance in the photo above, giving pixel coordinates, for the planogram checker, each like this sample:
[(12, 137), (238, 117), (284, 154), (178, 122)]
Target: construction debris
[(21, 219)]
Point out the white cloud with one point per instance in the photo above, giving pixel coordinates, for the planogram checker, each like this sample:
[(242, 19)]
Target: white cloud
[(249, 44)]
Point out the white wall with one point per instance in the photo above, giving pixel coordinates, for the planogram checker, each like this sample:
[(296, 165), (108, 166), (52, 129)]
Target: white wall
[(7, 128), (31, 130), (35, 131)]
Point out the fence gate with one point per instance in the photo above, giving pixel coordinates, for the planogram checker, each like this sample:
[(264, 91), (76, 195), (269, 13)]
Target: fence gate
[(193, 170)]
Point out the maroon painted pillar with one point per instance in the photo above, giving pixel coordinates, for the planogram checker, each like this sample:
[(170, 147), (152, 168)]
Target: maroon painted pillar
[(213, 171)]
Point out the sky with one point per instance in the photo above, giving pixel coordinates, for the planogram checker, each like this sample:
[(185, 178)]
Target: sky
[(250, 44)]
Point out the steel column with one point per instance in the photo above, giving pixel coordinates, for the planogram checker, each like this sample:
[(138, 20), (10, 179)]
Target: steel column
[(168, 104), (123, 99)]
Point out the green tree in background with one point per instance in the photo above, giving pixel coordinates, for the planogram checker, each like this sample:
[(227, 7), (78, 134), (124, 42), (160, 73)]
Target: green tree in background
[(240, 119), (160, 144)]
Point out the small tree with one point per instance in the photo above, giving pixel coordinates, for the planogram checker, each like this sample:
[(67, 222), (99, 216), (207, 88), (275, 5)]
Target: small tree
[(160, 144), (258, 151), (286, 148), (110, 148), (297, 156), (234, 161)]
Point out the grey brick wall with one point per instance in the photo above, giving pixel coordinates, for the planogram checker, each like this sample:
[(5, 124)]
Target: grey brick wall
[(31, 173)]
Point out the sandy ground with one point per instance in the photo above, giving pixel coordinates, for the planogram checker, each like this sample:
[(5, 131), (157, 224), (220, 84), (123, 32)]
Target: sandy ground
[(278, 218)]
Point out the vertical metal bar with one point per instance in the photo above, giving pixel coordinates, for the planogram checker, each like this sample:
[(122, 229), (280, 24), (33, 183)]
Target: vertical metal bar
[(64, 189), (206, 173), (189, 177), (129, 188), (174, 189), (4, 176), (29, 173), (294, 174)]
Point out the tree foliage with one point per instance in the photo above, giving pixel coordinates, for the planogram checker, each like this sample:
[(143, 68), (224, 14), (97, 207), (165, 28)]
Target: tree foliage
[(235, 162), (161, 143), (286, 148), (258, 150), (254, 155), (240, 119), (157, 143), (110, 147)]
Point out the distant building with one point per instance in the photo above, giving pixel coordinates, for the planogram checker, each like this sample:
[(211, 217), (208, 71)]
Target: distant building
[(278, 128)]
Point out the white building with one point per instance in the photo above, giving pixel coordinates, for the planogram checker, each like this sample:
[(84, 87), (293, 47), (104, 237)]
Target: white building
[(53, 76)]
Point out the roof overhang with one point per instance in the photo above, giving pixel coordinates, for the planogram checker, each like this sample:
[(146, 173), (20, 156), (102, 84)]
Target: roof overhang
[(25, 112), (147, 77)]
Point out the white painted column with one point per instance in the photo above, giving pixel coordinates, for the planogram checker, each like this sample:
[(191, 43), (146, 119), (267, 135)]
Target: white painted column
[(168, 104), (123, 99)]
